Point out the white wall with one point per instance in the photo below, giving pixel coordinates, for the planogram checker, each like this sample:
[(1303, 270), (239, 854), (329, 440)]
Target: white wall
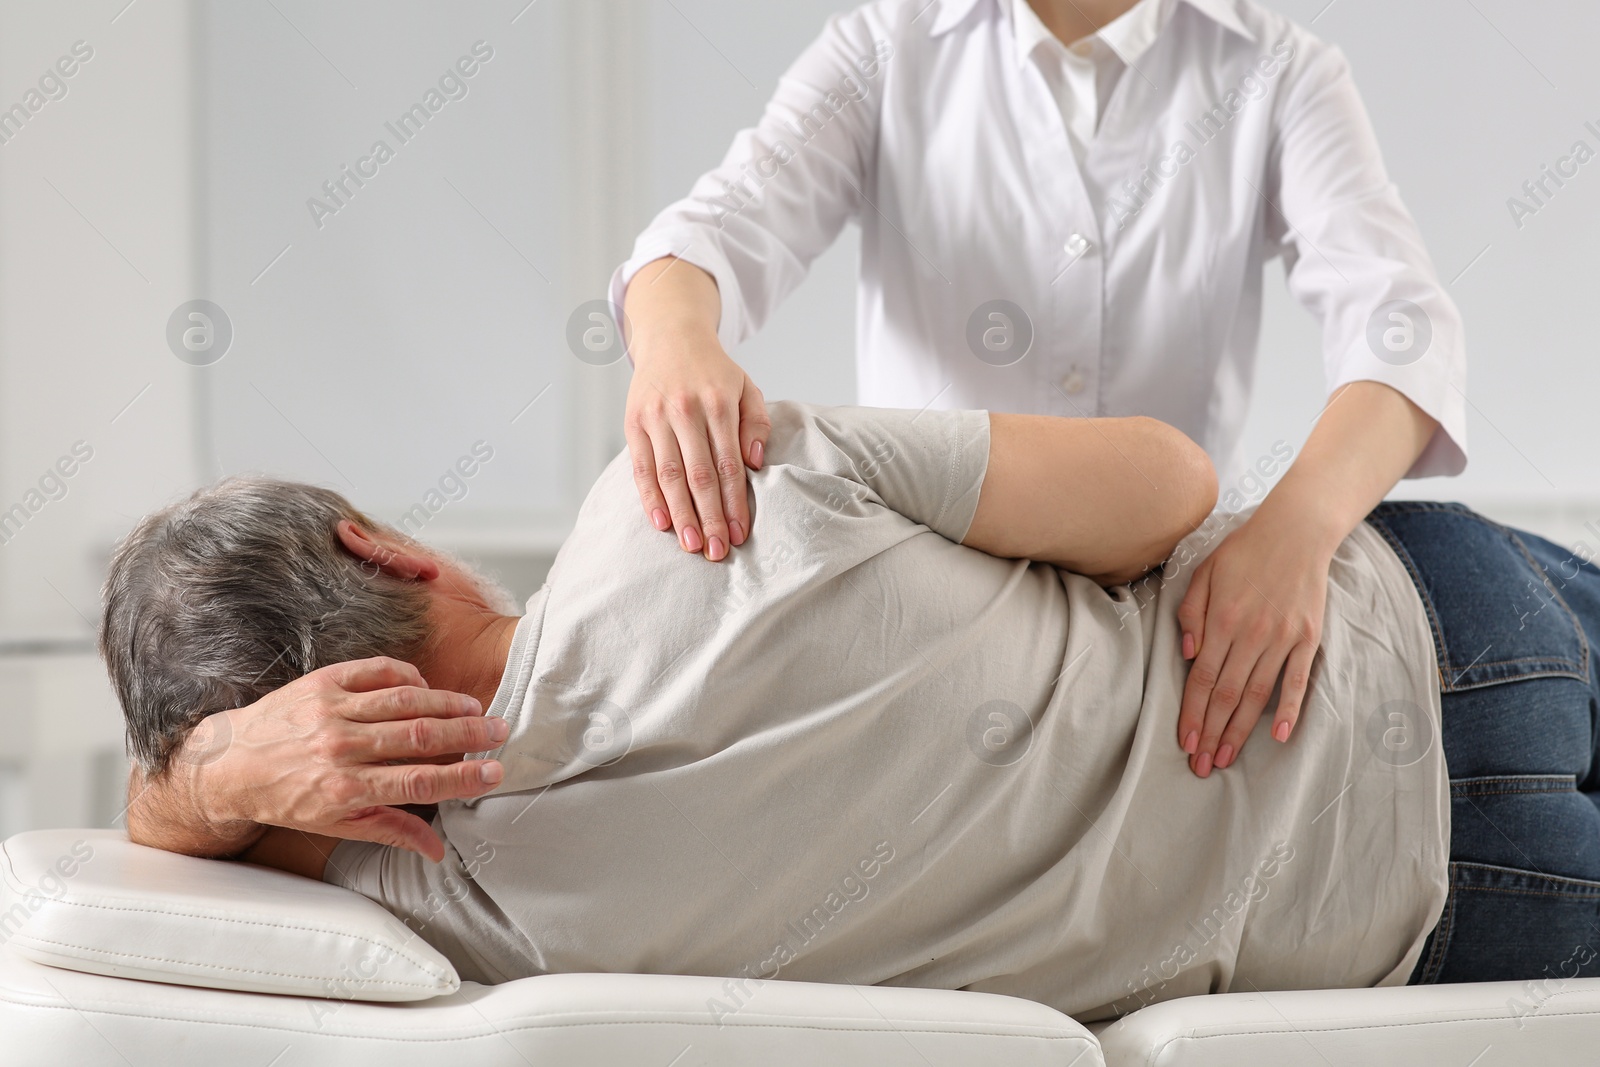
[(428, 311), (95, 235), (95, 251), (712, 65)]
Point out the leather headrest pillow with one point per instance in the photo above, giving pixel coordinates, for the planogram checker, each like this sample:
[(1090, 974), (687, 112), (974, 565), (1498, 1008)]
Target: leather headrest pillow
[(90, 900)]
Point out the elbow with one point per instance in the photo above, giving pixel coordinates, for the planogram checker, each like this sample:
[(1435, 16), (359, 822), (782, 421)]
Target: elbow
[(1198, 476), (1192, 481), (1184, 475), (1185, 494)]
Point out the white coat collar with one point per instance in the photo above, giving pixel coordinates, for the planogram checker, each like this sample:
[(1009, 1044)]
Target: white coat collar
[(952, 12)]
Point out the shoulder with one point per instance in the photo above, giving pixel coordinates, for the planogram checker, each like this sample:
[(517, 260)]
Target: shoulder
[(894, 21), (1303, 55), (800, 434)]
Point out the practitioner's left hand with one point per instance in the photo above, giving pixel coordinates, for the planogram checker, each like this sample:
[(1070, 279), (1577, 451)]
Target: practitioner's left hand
[(1253, 612)]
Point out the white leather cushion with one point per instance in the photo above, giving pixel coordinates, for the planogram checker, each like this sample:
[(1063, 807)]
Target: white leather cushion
[(90, 900)]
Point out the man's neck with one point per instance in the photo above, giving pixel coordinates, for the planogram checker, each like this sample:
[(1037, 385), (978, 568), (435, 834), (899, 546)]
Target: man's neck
[(468, 654)]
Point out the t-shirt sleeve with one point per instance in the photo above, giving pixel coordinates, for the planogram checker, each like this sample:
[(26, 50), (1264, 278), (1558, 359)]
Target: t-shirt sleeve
[(927, 465), (440, 902)]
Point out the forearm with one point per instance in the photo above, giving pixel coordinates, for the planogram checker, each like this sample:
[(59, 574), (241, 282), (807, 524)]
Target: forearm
[(1108, 498), (1369, 435), (669, 297), (170, 812)]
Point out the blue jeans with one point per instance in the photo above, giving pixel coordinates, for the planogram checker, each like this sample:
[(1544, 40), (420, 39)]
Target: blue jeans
[(1516, 622)]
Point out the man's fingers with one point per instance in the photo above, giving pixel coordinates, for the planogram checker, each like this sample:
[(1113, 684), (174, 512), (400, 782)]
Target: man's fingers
[(379, 672), (1296, 677), (643, 455), (408, 702), (703, 478), (755, 425), (392, 827), (425, 738), (428, 783)]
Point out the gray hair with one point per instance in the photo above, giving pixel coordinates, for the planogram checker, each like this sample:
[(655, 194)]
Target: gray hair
[(219, 599)]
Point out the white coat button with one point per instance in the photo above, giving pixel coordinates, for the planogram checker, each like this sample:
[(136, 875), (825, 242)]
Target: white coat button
[(1073, 382), (1077, 245)]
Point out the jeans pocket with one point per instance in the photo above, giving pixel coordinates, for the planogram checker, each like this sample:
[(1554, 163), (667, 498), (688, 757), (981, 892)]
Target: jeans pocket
[(1507, 924), (1496, 615)]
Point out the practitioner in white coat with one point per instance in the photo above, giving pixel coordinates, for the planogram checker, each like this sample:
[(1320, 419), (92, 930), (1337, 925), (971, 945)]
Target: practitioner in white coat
[(1065, 206)]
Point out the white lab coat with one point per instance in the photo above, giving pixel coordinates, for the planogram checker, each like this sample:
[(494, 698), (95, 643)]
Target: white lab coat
[(998, 272)]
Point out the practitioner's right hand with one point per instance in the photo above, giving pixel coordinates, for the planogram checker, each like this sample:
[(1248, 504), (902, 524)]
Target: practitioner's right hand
[(694, 418), (330, 753)]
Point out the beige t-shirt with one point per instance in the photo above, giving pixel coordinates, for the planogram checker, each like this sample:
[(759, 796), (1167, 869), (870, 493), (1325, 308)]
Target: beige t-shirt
[(856, 751)]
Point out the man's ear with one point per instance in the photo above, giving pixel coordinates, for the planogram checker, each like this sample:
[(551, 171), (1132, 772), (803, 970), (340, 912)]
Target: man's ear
[(396, 562)]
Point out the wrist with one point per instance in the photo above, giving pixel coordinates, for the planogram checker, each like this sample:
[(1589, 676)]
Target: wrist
[(676, 333), (219, 791), (1309, 517), (166, 811)]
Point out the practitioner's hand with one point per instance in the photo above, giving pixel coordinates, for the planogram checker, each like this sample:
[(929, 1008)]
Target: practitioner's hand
[(1253, 612), (694, 418), (317, 755)]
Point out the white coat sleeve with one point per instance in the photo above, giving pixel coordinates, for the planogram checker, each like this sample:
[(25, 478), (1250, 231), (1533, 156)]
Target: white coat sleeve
[(786, 187), (1355, 258)]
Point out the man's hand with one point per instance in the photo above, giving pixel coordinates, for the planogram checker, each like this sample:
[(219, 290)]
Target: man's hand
[(316, 756)]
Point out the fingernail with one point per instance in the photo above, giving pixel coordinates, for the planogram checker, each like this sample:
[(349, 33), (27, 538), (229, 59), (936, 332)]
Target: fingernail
[(658, 519), (735, 532), (1281, 731), (499, 729), (1188, 646), (1191, 744), (1202, 766), (756, 452), (691, 539), (471, 706), (491, 772), (716, 549), (1224, 755)]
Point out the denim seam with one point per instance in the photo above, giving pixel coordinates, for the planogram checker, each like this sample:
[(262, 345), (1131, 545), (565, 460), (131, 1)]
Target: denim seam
[(1399, 549), (1465, 793), (1442, 933), (1532, 776), (1545, 786), (1416, 506), (1577, 628), (1571, 894), (1568, 672), (1557, 663), (1580, 885)]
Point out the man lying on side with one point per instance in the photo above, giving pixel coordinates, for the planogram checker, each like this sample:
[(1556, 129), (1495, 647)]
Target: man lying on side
[(875, 745)]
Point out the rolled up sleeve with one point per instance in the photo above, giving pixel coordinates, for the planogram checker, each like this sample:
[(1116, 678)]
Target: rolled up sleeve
[(1356, 260), (786, 187)]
